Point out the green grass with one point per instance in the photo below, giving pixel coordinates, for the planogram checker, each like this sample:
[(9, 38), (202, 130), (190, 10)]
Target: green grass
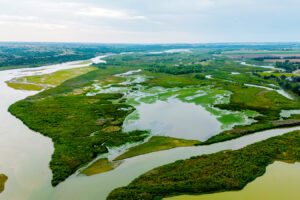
[(39, 82), (100, 166), (261, 100), (222, 171), (3, 179), (277, 74), (59, 76), (156, 143), (23, 86), (169, 80)]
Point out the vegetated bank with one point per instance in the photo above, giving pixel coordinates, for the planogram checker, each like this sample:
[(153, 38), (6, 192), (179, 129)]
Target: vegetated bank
[(81, 127), (222, 171)]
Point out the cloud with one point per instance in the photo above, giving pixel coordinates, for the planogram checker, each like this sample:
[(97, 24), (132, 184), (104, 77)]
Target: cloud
[(150, 21), (18, 18), (107, 13), (37, 25), (28, 21), (96, 11)]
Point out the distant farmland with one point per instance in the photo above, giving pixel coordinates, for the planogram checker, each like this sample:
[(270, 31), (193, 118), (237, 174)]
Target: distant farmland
[(265, 56)]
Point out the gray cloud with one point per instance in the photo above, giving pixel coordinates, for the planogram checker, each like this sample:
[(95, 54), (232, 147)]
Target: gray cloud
[(156, 21)]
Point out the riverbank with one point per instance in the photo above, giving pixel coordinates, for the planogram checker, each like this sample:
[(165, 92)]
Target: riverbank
[(202, 175), (281, 181)]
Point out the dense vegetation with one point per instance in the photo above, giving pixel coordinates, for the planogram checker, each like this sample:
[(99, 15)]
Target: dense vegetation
[(80, 126), (16, 55), (291, 85), (70, 120), (180, 69), (289, 67), (287, 81), (222, 171)]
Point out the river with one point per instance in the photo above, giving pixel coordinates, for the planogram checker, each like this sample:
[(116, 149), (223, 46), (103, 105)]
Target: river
[(281, 181), (25, 154)]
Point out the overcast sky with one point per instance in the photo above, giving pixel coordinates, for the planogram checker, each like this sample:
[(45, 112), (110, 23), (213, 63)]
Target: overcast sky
[(150, 21)]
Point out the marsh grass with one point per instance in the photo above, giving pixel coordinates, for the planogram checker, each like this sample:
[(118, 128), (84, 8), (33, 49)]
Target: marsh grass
[(156, 143)]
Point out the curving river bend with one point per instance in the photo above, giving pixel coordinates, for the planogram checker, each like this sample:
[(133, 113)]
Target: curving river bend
[(25, 154)]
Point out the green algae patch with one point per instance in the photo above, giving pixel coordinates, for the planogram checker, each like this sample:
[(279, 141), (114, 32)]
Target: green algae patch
[(156, 143), (223, 171), (100, 166), (3, 179)]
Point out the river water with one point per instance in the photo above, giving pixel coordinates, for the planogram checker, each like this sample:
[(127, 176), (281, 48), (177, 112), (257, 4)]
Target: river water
[(25, 154), (281, 181), (173, 118)]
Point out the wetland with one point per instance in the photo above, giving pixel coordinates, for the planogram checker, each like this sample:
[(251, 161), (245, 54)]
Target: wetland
[(109, 122)]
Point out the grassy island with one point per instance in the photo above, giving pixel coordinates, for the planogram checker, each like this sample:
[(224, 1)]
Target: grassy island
[(156, 143), (222, 171), (100, 166), (39, 82)]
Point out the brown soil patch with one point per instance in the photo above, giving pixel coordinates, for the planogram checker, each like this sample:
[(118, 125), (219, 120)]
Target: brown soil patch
[(115, 123), (262, 93), (111, 129), (286, 122), (102, 121)]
